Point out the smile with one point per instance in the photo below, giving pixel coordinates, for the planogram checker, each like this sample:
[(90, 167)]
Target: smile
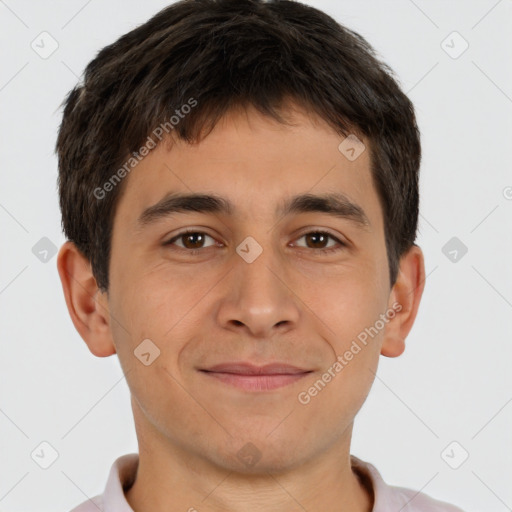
[(256, 382)]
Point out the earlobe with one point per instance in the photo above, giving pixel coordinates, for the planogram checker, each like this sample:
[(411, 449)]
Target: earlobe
[(393, 346), (89, 314), (406, 296)]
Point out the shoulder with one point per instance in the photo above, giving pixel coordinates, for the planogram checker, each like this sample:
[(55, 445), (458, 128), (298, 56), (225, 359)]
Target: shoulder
[(415, 501), (121, 476), (92, 505), (390, 498)]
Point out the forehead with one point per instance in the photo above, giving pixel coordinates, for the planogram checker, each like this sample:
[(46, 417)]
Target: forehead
[(255, 162)]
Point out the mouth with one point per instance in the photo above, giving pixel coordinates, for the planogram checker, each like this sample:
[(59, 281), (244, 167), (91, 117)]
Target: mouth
[(249, 377)]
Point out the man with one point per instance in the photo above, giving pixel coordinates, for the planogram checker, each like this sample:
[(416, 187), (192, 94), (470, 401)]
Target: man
[(239, 189)]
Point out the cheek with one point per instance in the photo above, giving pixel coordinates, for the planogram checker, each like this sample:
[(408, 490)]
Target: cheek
[(352, 312), (164, 307), (152, 309), (158, 301), (358, 322), (347, 303)]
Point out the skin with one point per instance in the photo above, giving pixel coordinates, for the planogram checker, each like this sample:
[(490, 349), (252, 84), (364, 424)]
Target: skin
[(292, 304)]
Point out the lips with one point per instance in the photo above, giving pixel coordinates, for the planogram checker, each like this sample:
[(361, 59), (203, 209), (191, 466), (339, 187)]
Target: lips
[(251, 369), (249, 377)]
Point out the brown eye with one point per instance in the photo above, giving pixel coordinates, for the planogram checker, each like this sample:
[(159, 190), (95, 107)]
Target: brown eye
[(190, 240), (319, 240)]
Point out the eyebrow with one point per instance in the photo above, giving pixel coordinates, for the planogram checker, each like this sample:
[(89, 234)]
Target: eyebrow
[(335, 204)]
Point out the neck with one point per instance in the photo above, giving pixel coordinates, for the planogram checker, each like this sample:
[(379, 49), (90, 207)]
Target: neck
[(171, 478)]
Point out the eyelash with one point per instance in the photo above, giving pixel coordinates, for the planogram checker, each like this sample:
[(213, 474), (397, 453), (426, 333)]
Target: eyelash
[(341, 246)]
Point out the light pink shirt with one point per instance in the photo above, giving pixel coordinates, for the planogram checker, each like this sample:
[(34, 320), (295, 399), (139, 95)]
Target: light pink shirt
[(387, 498)]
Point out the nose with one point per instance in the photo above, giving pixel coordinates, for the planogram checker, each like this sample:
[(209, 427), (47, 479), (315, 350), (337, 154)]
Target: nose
[(258, 298)]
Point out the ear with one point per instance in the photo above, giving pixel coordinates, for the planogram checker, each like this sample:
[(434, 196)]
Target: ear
[(406, 295), (87, 305)]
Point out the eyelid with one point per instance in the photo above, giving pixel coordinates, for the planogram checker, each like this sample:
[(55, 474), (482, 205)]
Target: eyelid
[(318, 229)]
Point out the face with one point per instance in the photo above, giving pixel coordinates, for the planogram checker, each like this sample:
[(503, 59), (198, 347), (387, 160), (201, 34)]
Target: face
[(266, 280)]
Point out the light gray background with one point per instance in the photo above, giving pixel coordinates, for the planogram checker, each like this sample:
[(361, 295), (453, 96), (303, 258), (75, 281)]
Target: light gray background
[(453, 383)]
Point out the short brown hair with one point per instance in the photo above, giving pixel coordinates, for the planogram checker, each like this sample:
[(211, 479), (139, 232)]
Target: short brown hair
[(225, 54)]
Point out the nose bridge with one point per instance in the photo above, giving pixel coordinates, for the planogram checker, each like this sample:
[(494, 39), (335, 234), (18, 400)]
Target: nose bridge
[(257, 282), (256, 298)]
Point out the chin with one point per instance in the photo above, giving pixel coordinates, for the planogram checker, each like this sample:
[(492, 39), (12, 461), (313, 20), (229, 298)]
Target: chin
[(261, 455)]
